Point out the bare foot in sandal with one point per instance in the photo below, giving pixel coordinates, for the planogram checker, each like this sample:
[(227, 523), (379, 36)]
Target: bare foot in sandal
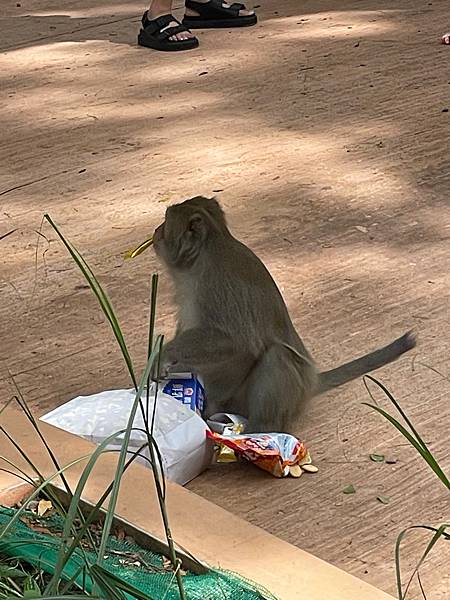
[(242, 12), (162, 31), (205, 14)]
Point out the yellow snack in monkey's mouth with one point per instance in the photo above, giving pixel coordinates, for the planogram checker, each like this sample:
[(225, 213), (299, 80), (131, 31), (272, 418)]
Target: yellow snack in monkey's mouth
[(140, 249)]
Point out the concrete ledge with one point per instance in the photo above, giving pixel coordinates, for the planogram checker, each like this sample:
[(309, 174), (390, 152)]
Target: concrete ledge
[(207, 531)]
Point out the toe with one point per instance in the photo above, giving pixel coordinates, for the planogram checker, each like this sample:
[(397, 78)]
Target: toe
[(242, 13)]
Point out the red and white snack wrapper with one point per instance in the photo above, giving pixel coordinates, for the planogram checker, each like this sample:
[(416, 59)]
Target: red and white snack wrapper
[(445, 39), (273, 452)]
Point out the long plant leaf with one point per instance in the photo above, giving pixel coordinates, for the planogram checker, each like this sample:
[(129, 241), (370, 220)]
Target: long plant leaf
[(17, 471), (67, 549), (39, 488), (423, 451), (5, 235), (20, 400), (438, 533), (159, 474), (103, 583), (101, 296), (116, 582), (419, 444), (95, 512), (121, 460), (61, 597), (399, 408), (151, 335)]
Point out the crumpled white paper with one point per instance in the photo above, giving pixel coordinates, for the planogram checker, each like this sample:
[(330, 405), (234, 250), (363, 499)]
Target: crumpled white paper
[(179, 431)]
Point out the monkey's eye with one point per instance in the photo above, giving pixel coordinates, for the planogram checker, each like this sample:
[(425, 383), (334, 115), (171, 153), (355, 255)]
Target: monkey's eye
[(194, 224)]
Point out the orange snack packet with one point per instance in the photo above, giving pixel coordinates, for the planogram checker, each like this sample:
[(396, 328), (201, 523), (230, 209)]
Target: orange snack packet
[(272, 452)]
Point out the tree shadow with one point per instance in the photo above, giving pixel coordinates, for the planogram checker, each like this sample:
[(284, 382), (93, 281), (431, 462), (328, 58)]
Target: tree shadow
[(323, 137), (118, 21), (126, 139)]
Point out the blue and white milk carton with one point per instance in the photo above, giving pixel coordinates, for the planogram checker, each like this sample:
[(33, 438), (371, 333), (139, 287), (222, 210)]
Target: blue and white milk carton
[(187, 389)]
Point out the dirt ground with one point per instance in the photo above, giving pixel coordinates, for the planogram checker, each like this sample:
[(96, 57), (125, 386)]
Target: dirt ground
[(324, 132)]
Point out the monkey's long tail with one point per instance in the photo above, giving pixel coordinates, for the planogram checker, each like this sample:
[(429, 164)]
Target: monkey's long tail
[(360, 366)]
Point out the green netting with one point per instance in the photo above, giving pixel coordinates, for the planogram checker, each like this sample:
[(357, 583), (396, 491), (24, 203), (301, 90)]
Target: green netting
[(141, 568)]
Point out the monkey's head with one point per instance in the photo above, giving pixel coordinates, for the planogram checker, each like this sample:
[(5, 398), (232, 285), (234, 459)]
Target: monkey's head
[(188, 226)]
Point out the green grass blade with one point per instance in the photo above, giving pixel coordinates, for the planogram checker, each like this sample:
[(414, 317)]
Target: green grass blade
[(103, 582), (154, 453), (39, 488), (7, 403), (52, 496), (422, 591), (40, 477), (421, 449), (14, 474), (122, 457), (152, 318), (22, 454), (437, 535), (72, 581), (67, 548), (121, 585), (20, 400), (159, 347), (62, 597), (8, 233), (399, 408), (151, 335), (440, 532), (17, 471), (101, 297), (433, 369), (95, 512)]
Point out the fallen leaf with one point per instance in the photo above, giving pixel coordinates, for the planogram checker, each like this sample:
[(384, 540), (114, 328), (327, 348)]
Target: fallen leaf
[(39, 528), (349, 489), (377, 457), (167, 564), (43, 507), (383, 499)]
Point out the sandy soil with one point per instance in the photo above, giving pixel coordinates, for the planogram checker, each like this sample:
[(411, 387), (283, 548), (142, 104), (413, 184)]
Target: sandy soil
[(323, 131)]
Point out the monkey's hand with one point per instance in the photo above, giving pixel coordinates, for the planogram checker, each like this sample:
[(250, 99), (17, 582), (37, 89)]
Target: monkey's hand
[(176, 357), (170, 362), (196, 350)]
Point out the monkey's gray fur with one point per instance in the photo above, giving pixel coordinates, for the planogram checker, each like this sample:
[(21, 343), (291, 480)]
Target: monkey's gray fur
[(233, 326)]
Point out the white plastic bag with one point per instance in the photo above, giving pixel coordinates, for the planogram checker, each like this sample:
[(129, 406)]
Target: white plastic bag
[(179, 431)]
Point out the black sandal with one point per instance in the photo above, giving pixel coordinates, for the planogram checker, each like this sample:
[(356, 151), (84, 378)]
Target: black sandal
[(155, 34), (213, 14)]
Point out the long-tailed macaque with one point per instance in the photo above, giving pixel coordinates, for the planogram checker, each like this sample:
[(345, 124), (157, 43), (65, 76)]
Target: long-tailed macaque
[(233, 326)]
